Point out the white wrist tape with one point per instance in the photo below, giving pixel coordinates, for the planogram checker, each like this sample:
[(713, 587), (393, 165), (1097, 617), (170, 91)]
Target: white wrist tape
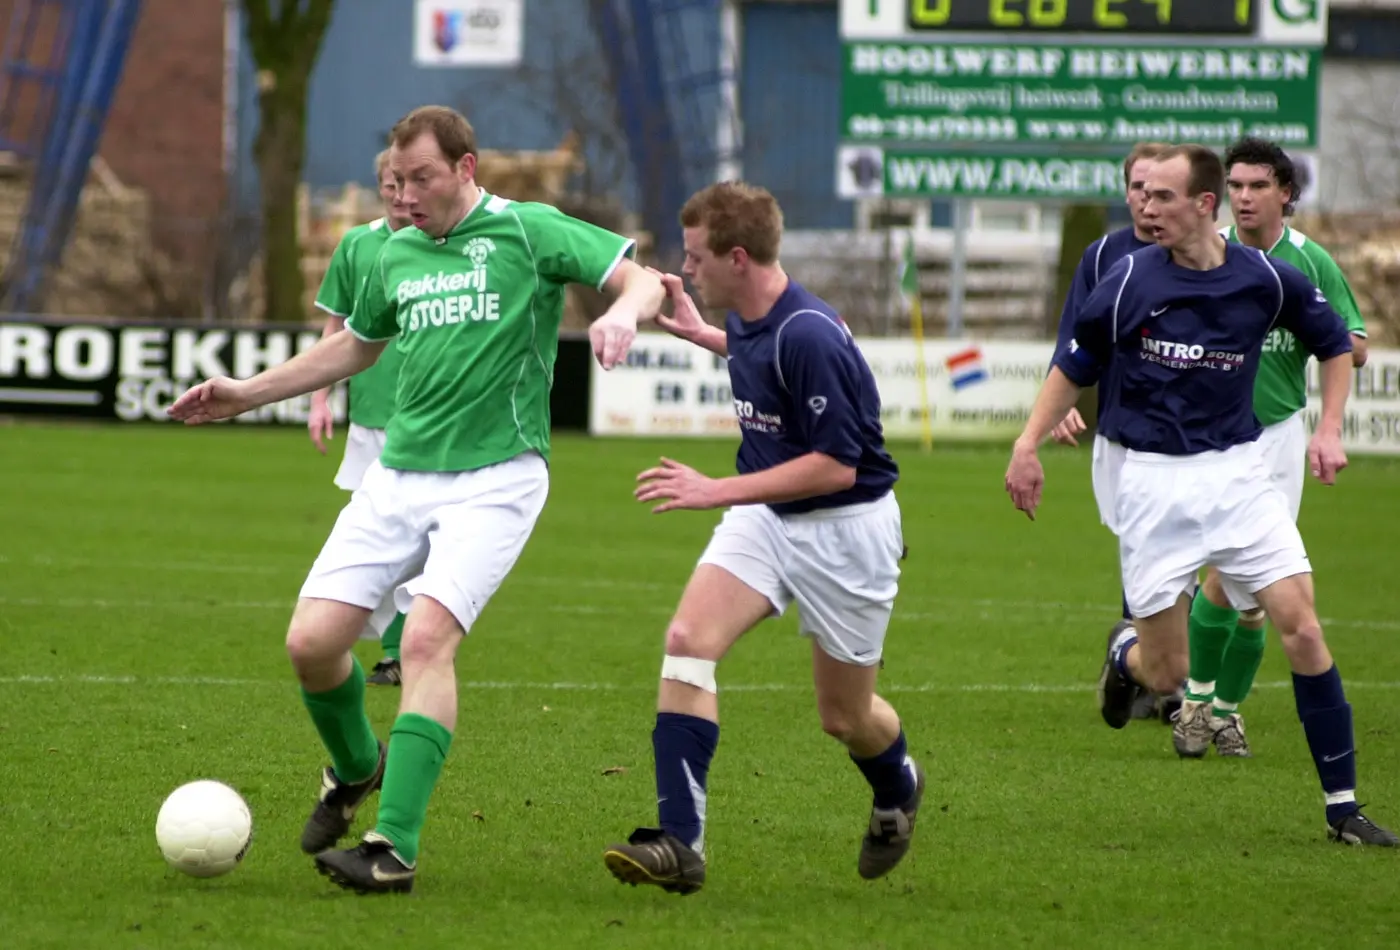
[(687, 669)]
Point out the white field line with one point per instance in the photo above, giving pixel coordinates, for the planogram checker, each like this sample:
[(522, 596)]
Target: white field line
[(567, 687), (1102, 612)]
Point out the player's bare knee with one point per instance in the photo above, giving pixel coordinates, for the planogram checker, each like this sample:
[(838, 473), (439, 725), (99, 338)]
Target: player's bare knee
[(684, 640), (312, 640)]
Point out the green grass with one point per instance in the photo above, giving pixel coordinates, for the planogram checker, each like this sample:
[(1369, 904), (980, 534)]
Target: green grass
[(146, 577)]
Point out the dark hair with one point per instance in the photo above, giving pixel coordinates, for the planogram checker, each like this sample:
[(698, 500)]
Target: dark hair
[(1257, 151), (737, 215), (1207, 174), (454, 134)]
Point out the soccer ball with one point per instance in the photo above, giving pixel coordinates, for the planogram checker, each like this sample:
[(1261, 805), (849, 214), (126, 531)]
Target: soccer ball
[(204, 828)]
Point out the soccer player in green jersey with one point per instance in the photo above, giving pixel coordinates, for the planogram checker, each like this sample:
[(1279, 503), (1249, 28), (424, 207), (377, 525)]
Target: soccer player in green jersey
[(371, 392), (472, 295), (1226, 647)]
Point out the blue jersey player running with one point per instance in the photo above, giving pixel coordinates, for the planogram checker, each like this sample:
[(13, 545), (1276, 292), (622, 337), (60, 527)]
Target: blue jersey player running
[(1098, 259), (1182, 325), (811, 520)]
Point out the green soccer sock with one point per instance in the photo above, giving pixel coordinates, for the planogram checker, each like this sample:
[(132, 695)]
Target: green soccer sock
[(1210, 628), (339, 715), (417, 747), (393, 636), (1243, 654)]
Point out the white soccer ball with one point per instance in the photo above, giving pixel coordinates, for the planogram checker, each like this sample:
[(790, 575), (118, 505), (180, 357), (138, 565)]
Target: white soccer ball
[(204, 828)]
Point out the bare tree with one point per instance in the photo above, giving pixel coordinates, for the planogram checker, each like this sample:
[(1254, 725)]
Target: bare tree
[(285, 39)]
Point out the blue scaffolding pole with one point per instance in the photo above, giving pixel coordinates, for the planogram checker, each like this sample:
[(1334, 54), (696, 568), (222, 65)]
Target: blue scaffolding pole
[(81, 78)]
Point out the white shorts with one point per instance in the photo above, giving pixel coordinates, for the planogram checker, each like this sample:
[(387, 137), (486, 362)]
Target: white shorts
[(451, 536), (1107, 463), (841, 566), (1285, 449), (362, 447), (1177, 514)]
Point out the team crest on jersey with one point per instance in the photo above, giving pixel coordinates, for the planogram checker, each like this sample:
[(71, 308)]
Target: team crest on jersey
[(478, 249)]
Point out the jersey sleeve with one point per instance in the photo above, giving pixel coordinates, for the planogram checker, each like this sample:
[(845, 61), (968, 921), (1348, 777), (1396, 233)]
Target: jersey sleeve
[(820, 368), (1333, 284), (375, 314), (1306, 313), (336, 295), (1092, 331), (1080, 287), (570, 251)]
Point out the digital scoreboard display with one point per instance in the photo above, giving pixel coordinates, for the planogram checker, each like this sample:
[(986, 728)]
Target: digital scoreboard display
[(1109, 17)]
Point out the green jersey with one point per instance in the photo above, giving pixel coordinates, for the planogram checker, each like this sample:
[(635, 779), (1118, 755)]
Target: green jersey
[(476, 315), (371, 391), (1281, 388)]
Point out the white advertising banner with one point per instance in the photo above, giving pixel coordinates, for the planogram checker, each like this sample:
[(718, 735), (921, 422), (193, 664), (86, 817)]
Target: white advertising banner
[(1372, 422), (975, 390)]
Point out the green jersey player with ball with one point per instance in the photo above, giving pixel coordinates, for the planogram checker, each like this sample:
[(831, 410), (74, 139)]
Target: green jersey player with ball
[(472, 296)]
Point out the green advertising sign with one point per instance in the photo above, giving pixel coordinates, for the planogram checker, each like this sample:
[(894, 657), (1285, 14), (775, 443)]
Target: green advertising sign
[(975, 94), (867, 171)]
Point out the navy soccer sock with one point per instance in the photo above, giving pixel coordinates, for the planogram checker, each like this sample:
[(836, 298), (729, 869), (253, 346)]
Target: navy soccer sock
[(890, 774), (1326, 718), (683, 746)]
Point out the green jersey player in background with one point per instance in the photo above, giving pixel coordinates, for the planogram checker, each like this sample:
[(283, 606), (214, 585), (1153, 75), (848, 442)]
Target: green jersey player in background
[(474, 294), (1227, 647), (371, 392)]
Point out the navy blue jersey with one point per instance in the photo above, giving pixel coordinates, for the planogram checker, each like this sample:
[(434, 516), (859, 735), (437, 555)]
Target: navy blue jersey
[(1098, 259), (800, 386), (1185, 345)]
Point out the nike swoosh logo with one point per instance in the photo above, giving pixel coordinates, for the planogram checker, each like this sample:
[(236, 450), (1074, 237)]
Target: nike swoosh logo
[(385, 877), (1334, 758), (1158, 313)]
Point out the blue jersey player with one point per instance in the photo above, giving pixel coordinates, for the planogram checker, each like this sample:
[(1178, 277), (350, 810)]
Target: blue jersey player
[(812, 520), (1098, 259), (1182, 325)]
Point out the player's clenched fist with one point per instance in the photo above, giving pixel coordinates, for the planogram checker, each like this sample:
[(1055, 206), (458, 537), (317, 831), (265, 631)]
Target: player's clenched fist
[(212, 400), (612, 335)]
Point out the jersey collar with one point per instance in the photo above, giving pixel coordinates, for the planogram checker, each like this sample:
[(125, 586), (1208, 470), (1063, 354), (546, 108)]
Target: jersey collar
[(482, 196)]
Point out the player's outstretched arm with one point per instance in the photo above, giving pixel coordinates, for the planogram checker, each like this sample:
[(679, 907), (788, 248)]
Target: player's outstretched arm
[(639, 297), (329, 361), (685, 321)]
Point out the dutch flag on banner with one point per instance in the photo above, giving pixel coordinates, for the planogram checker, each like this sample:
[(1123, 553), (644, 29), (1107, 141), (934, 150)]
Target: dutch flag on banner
[(965, 367)]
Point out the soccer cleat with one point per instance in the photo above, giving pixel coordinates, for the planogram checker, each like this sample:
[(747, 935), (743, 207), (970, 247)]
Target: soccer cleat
[(335, 810), (891, 830), (371, 867), (387, 672), (1356, 828), (1192, 733), (651, 856), (1228, 736), (1117, 692), (1169, 706)]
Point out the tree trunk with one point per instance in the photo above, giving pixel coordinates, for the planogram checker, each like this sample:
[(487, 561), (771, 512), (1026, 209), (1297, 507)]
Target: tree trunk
[(280, 151), (1080, 227), (285, 39)]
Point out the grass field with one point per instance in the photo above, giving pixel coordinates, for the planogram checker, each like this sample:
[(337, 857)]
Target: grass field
[(147, 574)]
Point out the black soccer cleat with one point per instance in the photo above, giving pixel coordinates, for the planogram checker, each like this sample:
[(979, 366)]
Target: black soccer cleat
[(1356, 828), (651, 856), (371, 867), (891, 830), (330, 821), (1117, 693), (387, 672)]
